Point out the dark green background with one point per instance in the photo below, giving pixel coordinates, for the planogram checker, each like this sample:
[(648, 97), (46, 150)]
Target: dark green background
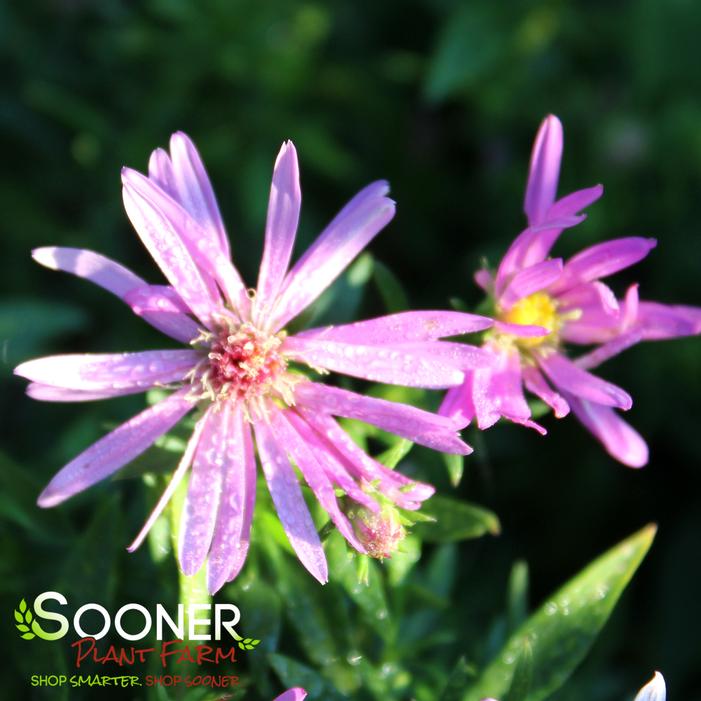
[(443, 99)]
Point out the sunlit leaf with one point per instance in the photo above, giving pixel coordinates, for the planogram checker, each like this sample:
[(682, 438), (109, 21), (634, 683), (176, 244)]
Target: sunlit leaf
[(561, 632), (455, 520)]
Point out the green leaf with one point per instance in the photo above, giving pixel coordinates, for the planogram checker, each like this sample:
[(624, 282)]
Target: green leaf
[(18, 616), (391, 290), (28, 636), (22, 627), (469, 47), (23, 606), (392, 456), (523, 674), (463, 673), (28, 616), (455, 465), (369, 597), (292, 673), (561, 632), (455, 520), (517, 596)]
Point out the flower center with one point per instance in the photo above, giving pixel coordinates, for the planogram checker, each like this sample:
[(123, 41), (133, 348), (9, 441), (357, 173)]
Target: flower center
[(242, 363), (538, 309)]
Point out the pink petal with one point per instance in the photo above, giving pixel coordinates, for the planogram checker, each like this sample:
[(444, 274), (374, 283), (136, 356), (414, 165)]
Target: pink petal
[(289, 502), (296, 694), (348, 234), (405, 327), (167, 248), (573, 204), (162, 302), (544, 170), (214, 454), (536, 383), (403, 491), (621, 441), (48, 393), (233, 529), (609, 349), (280, 228), (566, 376), (110, 371), (333, 466), (493, 393), (431, 430), (530, 280), (457, 403), (660, 321), (160, 170), (214, 268), (115, 449), (314, 474), (239, 557), (155, 298), (602, 260), (176, 478), (195, 191), (400, 365), (593, 311), (521, 251), (565, 209), (506, 384), (115, 279)]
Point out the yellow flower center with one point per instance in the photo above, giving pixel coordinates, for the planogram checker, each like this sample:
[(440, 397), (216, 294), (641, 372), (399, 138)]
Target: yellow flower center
[(538, 309)]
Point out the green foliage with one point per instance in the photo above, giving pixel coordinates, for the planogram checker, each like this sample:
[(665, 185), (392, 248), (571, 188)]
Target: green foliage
[(545, 650), (455, 520)]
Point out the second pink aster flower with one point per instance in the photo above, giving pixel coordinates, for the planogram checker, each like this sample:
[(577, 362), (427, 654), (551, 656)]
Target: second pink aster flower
[(247, 377), (542, 304)]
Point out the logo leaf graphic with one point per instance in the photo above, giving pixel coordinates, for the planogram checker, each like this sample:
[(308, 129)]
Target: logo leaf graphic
[(24, 617)]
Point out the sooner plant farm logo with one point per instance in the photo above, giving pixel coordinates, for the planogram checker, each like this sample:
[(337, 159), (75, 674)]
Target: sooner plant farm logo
[(193, 635), (226, 616)]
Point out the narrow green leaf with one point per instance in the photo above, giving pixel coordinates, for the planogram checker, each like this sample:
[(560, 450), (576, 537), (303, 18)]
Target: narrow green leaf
[(292, 673), (455, 465), (391, 290), (22, 627), (392, 456), (28, 616), (470, 44), (23, 606), (517, 596), (28, 636), (561, 632), (18, 616), (455, 520), (369, 597), (459, 678), (523, 674)]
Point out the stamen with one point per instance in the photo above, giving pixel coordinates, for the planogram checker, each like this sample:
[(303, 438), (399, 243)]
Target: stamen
[(242, 363)]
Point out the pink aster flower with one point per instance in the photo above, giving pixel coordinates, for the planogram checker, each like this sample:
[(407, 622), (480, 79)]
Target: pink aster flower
[(542, 303), (244, 374)]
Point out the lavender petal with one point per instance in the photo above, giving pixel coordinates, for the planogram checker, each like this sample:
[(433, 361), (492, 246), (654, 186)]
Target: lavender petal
[(115, 449), (289, 502)]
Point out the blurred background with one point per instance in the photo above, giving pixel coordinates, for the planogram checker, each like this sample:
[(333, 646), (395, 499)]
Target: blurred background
[(442, 98)]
